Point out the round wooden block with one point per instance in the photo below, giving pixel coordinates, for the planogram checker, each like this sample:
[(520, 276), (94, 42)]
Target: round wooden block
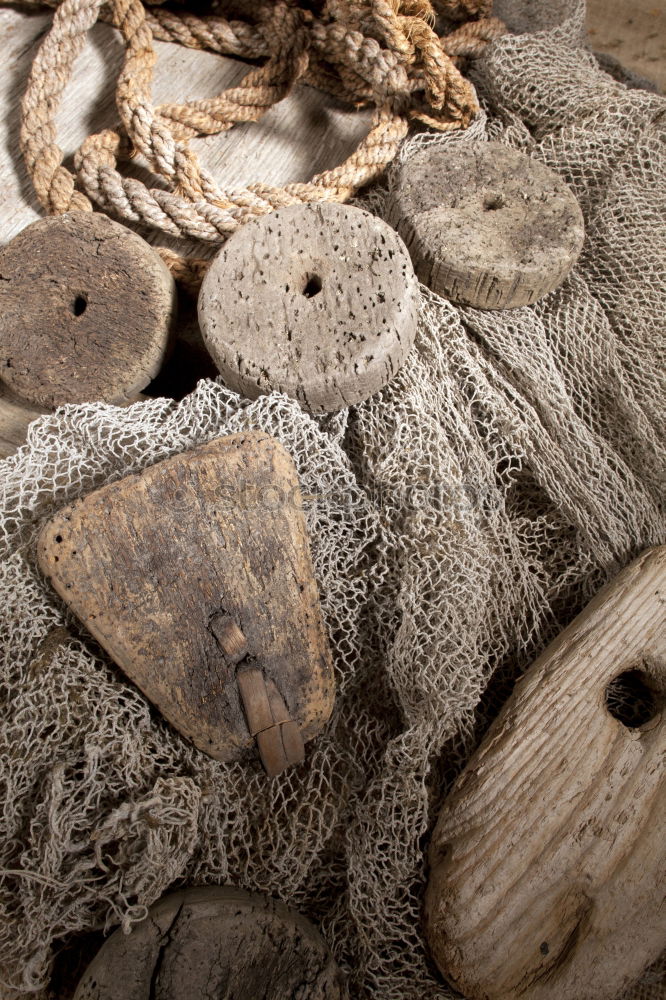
[(316, 301), (486, 226), (86, 311), (215, 943)]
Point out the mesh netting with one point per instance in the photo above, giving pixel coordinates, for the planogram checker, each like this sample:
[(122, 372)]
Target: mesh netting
[(459, 520)]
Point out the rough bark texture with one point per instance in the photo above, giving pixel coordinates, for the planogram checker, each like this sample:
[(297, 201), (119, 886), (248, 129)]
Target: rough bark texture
[(486, 225), (153, 563), (548, 879), (86, 311), (15, 417), (317, 301), (215, 944)]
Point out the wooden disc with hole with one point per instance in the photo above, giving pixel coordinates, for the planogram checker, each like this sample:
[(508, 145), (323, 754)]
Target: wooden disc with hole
[(86, 311), (486, 225), (316, 301), (547, 877), (215, 943)]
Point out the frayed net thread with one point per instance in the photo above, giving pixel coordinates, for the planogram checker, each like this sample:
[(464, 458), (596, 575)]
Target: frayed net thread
[(459, 519)]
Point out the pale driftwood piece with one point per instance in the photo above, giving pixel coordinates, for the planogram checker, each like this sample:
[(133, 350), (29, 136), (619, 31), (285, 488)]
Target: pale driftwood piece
[(486, 225), (156, 564), (215, 942), (548, 879), (316, 301), (87, 311)]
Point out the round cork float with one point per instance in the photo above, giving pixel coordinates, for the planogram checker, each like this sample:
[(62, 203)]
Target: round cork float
[(215, 942), (486, 225), (317, 301), (86, 311)]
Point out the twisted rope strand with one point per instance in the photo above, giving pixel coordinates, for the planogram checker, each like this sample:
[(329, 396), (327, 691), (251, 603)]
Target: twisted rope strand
[(130, 199), (367, 52), (259, 90), (51, 69)]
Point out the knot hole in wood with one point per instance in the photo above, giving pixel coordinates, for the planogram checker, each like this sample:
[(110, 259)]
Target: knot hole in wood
[(635, 697)]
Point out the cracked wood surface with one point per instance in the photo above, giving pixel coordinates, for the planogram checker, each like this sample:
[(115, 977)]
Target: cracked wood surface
[(547, 862), (150, 563), (211, 943)]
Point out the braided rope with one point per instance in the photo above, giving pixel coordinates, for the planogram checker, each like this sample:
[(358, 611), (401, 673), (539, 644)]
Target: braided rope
[(367, 52)]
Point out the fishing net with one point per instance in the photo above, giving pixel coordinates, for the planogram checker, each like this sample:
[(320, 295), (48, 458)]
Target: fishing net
[(459, 519)]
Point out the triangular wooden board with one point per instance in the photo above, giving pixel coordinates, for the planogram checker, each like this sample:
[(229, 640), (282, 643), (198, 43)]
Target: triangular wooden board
[(548, 878), (154, 563)]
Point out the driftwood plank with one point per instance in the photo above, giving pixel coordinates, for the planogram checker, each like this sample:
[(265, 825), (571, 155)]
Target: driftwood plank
[(156, 564), (548, 879)]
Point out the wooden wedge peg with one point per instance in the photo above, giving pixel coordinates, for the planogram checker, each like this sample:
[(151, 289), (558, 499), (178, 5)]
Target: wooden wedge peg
[(486, 225), (215, 942), (204, 595), (87, 310), (278, 737), (318, 301), (271, 751), (276, 701), (231, 640), (292, 742), (254, 697), (547, 875)]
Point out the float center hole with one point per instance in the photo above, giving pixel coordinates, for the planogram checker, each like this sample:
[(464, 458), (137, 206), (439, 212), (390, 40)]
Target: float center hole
[(312, 286), (79, 305), (493, 201)]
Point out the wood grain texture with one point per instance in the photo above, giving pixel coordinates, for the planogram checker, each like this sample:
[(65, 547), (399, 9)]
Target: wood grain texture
[(278, 737), (215, 942), (87, 311), (16, 415), (486, 225), (317, 301), (151, 563), (635, 34), (548, 879)]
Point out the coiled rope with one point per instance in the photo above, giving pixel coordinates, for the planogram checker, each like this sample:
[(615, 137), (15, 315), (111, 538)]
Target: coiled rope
[(380, 53)]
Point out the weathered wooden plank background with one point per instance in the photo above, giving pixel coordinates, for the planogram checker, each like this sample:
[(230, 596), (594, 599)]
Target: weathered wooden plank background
[(306, 133)]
